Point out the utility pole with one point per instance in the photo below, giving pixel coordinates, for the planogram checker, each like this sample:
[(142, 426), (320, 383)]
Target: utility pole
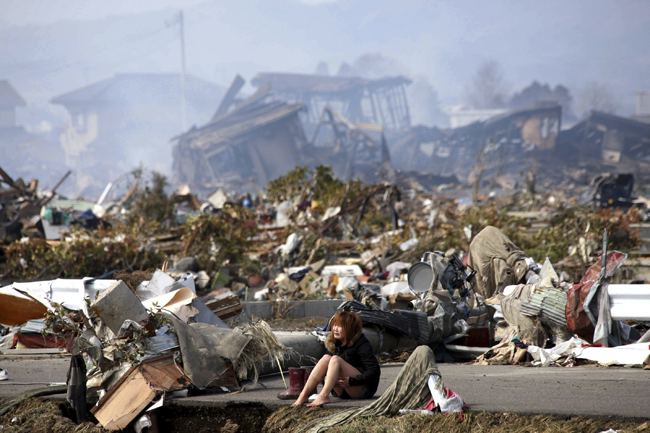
[(178, 18), (183, 105)]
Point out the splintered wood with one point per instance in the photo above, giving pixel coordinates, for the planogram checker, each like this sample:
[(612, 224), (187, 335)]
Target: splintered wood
[(124, 401), (225, 308), (136, 389)]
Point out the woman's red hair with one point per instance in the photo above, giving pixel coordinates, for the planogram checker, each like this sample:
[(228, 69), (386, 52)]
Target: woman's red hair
[(351, 324)]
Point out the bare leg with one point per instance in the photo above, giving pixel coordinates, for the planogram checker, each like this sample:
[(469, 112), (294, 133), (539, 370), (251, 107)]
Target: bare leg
[(317, 375), (337, 368)]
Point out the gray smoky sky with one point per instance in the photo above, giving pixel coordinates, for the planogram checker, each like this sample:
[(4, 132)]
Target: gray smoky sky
[(48, 48), (51, 47)]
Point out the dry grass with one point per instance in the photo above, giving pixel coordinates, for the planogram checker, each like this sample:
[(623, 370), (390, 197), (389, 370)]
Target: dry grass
[(305, 324), (133, 279), (37, 416), (292, 420)]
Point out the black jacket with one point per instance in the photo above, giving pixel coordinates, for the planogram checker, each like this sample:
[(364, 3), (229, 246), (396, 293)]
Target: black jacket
[(360, 355)]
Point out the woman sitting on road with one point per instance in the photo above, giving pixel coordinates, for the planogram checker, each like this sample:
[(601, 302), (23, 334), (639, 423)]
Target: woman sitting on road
[(352, 371)]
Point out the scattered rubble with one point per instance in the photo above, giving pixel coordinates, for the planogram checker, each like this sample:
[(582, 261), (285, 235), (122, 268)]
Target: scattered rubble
[(149, 294)]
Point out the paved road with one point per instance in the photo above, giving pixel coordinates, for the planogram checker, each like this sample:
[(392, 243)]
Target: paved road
[(587, 391), (32, 372)]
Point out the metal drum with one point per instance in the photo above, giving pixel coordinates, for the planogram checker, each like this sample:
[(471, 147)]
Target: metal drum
[(420, 275)]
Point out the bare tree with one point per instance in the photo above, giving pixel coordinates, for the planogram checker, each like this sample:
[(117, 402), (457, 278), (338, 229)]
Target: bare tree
[(530, 179), (488, 88), (596, 96), (501, 165), (424, 103), (484, 158)]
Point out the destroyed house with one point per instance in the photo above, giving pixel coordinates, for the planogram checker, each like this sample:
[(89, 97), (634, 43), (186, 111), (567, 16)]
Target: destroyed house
[(9, 100), (619, 143), (119, 122), (255, 142), (500, 140), (378, 101), (26, 154), (11, 135), (352, 150)]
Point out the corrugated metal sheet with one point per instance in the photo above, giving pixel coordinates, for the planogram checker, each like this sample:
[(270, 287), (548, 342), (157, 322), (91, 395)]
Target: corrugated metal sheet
[(549, 303), (412, 324)]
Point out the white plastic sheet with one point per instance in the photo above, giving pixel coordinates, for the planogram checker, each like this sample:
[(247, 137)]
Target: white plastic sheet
[(630, 354), (447, 405), (546, 356)]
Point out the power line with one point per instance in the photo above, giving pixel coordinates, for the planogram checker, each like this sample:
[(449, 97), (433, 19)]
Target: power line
[(81, 58)]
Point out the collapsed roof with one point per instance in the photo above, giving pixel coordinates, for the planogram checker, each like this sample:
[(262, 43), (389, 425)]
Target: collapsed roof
[(518, 141), (9, 97), (621, 144), (495, 143), (352, 149), (255, 142), (252, 141), (359, 99)]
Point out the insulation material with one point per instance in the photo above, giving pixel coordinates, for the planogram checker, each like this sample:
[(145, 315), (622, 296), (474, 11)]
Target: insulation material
[(178, 303), (117, 304)]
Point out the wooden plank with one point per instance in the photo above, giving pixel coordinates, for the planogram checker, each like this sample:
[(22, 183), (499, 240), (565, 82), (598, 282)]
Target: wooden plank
[(227, 379), (226, 301), (226, 307), (17, 309), (229, 312), (162, 373), (10, 192), (124, 401), (229, 97)]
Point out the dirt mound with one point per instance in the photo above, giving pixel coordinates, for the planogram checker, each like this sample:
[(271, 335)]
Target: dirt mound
[(36, 416)]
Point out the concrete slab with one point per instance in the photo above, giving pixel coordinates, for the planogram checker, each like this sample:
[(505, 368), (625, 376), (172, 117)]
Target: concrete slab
[(262, 309), (293, 309), (117, 304), (324, 308), (296, 310)]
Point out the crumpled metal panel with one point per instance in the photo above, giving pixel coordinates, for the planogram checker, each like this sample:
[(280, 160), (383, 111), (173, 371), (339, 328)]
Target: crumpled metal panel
[(549, 303), (629, 301)]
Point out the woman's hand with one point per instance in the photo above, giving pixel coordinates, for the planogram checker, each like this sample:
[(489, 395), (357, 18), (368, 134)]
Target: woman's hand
[(343, 382)]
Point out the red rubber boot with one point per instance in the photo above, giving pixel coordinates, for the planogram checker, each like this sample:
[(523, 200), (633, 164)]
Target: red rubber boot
[(308, 371), (296, 384)]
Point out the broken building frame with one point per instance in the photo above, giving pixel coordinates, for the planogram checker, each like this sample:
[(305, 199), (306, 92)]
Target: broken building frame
[(362, 146), (254, 143), (498, 141), (618, 142), (379, 101)]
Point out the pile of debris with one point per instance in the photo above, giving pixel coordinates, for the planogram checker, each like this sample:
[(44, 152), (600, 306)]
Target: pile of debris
[(21, 206), (149, 336), (312, 236), (135, 342)]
